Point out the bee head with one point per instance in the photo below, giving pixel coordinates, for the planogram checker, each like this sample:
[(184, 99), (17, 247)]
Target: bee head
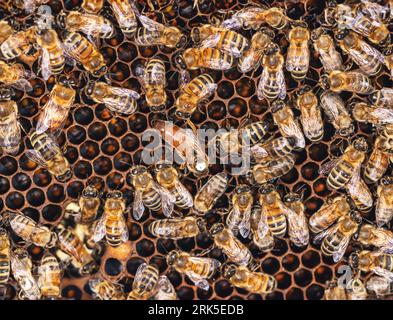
[(277, 106), (162, 165), (90, 192), (182, 42), (66, 176), (89, 268), (325, 82), (272, 48), (90, 88), (269, 32), (6, 93), (182, 115), (304, 90), (201, 223), (179, 61), (341, 34), (373, 98), (387, 180), (67, 81), (171, 257), (242, 188), (195, 34), (354, 260), (3, 232), (291, 197), (316, 33), (228, 271), (61, 20), (360, 144), (100, 72), (216, 228), (347, 131), (266, 188), (116, 194)]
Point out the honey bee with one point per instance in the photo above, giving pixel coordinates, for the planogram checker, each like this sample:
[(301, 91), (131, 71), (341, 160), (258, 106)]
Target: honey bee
[(273, 148), (363, 112), (255, 282), (287, 124), (382, 98), (18, 44), (272, 82), (380, 286), (10, 132), (325, 48), (30, 231), (210, 192), (336, 113), (165, 290), (14, 75), (6, 30), (235, 250), (145, 282), (154, 82), (105, 290), (261, 235), (112, 224), (49, 276), (92, 25), (384, 205), (157, 34), (272, 168), (21, 266), (377, 163), (298, 55), (5, 251), (377, 262), (374, 10), (238, 219), (352, 81), (336, 238), (168, 178), (252, 57), (149, 193), (359, 192), (86, 208), (47, 154), (193, 94), (335, 291), (177, 228), (54, 114), (85, 53), (370, 235), (209, 36), (116, 99), (334, 208), (210, 58), (186, 145), (125, 16), (356, 290), (197, 269), (364, 55), (52, 57), (310, 118), (297, 220), (92, 6)]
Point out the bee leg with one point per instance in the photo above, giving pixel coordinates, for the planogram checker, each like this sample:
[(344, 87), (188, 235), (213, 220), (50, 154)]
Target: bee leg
[(205, 252)]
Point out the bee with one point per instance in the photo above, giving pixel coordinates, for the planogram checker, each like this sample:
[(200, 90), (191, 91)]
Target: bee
[(325, 47), (377, 163), (197, 269), (298, 55), (49, 276), (105, 290), (273, 148), (154, 82), (193, 94), (88, 205), (364, 55), (6, 30), (112, 224), (210, 192), (382, 98), (352, 81), (92, 25), (157, 34), (335, 291), (10, 132), (165, 290), (238, 219), (336, 238), (359, 192), (370, 235), (272, 168), (377, 262), (363, 112), (272, 82), (52, 57), (178, 228), (210, 58), (30, 231), (346, 166), (186, 145), (145, 282), (118, 100), (168, 178), (21, 266), (71, 245), (297, 220), (355, 288), (380, 286), (334, 208), (252, 58), (209, 36), (85, 53), (5, 251), (14, 75), (47, 154), (18, 44), (92, 6), (374, 10), (310, 118), (125, 16), (336, 113), (384, 205), (255, 282), (287, 124), (149, 193), (261, 235), (235, 250), (54, 114)]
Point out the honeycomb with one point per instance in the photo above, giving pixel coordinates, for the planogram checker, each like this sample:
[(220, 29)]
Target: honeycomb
[(98, 144)]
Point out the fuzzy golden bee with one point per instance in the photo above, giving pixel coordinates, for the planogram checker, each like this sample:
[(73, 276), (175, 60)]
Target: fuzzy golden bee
[(384, 203), (19, 43), (370, 235), (271, 169), (177, 228), (88, 205), (49, 276), (298, 55), (14, 75), (106, 290), (10, 132), (126, 16), (145, 282), (352, 81), (377, 163), (377, 262), (364, 112)]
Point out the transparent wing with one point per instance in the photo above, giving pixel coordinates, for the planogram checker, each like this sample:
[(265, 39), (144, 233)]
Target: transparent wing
[(139, 275), (100, 230), (125, 92), (150, 24), (262, 84), (383, 115), (53, 117), (138, 208), (341, 248), (167, 200), (263, 227), (22, 85), (320, 236), (383, 209), (298, 226), (359, 190), (186, 195), (124, 231), (165, 289), (328, 166), (281, 83), (384, 273), (233, 23), (36, 157), (45, 61), (258, 152)]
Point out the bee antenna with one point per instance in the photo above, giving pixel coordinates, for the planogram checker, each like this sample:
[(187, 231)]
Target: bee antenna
[(123, 162)]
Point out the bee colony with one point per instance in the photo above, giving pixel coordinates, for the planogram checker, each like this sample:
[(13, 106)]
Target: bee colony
[(307, 86)]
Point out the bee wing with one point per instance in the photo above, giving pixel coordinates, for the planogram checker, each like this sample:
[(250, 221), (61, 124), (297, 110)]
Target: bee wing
[(199, 282), (245, 225), (281, 83), (358, 189), (263, 227), (139, 275), (22, 85), (45, 61), (258, 152), (124, 231), (100, 230), (165, 289), (125, 92), (232, 23), (138, 208), (297, 224), (383, 115), (167, 200), (318, 238), (150, 24), (36, 157), (187, 197), (293, 130), (370, 50), (50, 116), (384, 273), (341, 248), (184, 78), (383, 209), (262, 83), (328, 166)]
